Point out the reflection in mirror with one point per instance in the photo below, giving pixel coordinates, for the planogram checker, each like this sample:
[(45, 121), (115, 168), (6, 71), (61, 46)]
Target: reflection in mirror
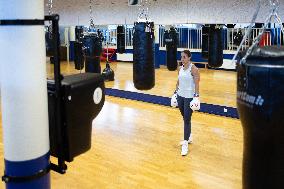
[(217, 86)]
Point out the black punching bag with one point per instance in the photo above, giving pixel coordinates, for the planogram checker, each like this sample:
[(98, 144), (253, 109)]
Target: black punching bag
[(49, 44), (143, 55), (215, 48), (78, 55), (171, 41), (120, 39), (79, 30), (205, 41), (92, 43), (78, 48), (260, 105)]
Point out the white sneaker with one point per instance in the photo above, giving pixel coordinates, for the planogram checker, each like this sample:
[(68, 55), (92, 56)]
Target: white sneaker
[(184, 148), (190, 140)]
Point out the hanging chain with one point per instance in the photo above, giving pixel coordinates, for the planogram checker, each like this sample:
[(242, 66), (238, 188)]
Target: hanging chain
[(50, 12), (144, 10), (274, 8), (50, 4), (92, 25)]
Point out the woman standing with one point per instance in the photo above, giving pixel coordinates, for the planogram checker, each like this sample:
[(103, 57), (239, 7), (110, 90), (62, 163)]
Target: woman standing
[(187, 88)]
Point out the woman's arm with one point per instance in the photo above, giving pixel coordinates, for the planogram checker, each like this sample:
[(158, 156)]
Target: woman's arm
[(196, 78), (177, 79)]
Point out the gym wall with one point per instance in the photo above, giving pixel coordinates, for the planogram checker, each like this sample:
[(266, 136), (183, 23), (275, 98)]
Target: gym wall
[(76, 12)]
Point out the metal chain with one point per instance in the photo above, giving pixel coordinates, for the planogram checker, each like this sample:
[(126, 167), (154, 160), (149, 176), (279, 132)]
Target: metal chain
[(92, 25), (274, 8), (50, 4), (50, 12), (144, 10)]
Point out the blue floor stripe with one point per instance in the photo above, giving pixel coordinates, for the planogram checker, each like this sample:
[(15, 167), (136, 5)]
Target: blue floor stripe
[(166, 101)]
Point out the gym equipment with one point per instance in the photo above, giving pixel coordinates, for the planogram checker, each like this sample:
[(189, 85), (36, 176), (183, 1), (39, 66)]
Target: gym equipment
[(215, 58), (144, 50), (92, 44), (78, 48), (73, 102), (260, 107), (230, 25), (108, 73), (78, 55), (238, 38), (48, 35), (195, 104), (171, 41), (174, 102), (48, 42), (79, 33), (82, 100), (205, 41), (143, 55), (120, 39)]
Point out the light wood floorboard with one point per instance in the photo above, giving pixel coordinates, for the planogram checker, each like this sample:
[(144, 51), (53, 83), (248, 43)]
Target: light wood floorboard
[(136, 144)]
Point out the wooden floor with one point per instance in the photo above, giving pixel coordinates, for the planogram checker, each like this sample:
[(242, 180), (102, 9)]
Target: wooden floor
[(135, 144), (216, 87)]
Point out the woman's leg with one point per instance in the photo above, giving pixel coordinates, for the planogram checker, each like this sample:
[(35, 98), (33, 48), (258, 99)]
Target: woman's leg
[(187, 117), (180, 101)]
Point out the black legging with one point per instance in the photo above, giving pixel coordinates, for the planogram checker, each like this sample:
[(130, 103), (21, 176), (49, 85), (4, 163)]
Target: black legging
[(186, 112)]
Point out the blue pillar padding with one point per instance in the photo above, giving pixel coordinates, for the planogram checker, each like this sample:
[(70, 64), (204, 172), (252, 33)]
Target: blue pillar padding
[(71, 51), (157, 55), (28, 168)]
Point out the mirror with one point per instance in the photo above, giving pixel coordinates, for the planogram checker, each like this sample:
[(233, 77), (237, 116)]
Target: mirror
[(217, 86)]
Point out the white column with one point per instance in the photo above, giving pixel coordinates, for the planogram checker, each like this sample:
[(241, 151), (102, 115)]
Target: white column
[(23, 82)]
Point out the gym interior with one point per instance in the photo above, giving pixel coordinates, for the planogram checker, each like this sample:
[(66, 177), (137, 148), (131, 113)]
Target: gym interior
[(91, 94)]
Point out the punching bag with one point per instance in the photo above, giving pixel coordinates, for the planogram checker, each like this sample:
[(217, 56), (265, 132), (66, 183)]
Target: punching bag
[(143, 55), (205, 41), (261, 108), (79, 30), (48, 44), (171, 41), (120, 39), (92, 43), (78, 55), (215, 48)]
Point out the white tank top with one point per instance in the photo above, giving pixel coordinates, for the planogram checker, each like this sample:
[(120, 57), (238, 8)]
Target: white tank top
[(186, 85)]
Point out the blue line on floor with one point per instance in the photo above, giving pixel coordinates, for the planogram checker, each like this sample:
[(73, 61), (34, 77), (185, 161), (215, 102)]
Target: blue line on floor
[(166, 101)]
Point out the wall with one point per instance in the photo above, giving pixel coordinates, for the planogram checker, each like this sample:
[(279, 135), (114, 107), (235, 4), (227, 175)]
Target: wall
[(76, 12)]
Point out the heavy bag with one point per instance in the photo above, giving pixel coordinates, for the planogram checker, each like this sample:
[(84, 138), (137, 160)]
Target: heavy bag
[(92, 44), (238, 37), (171, 41), (205, 41), (79, 30), (108, 73), (143, 55), (120, 39), (78, 55), (215, 57), (49, 44), (260, 106)]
